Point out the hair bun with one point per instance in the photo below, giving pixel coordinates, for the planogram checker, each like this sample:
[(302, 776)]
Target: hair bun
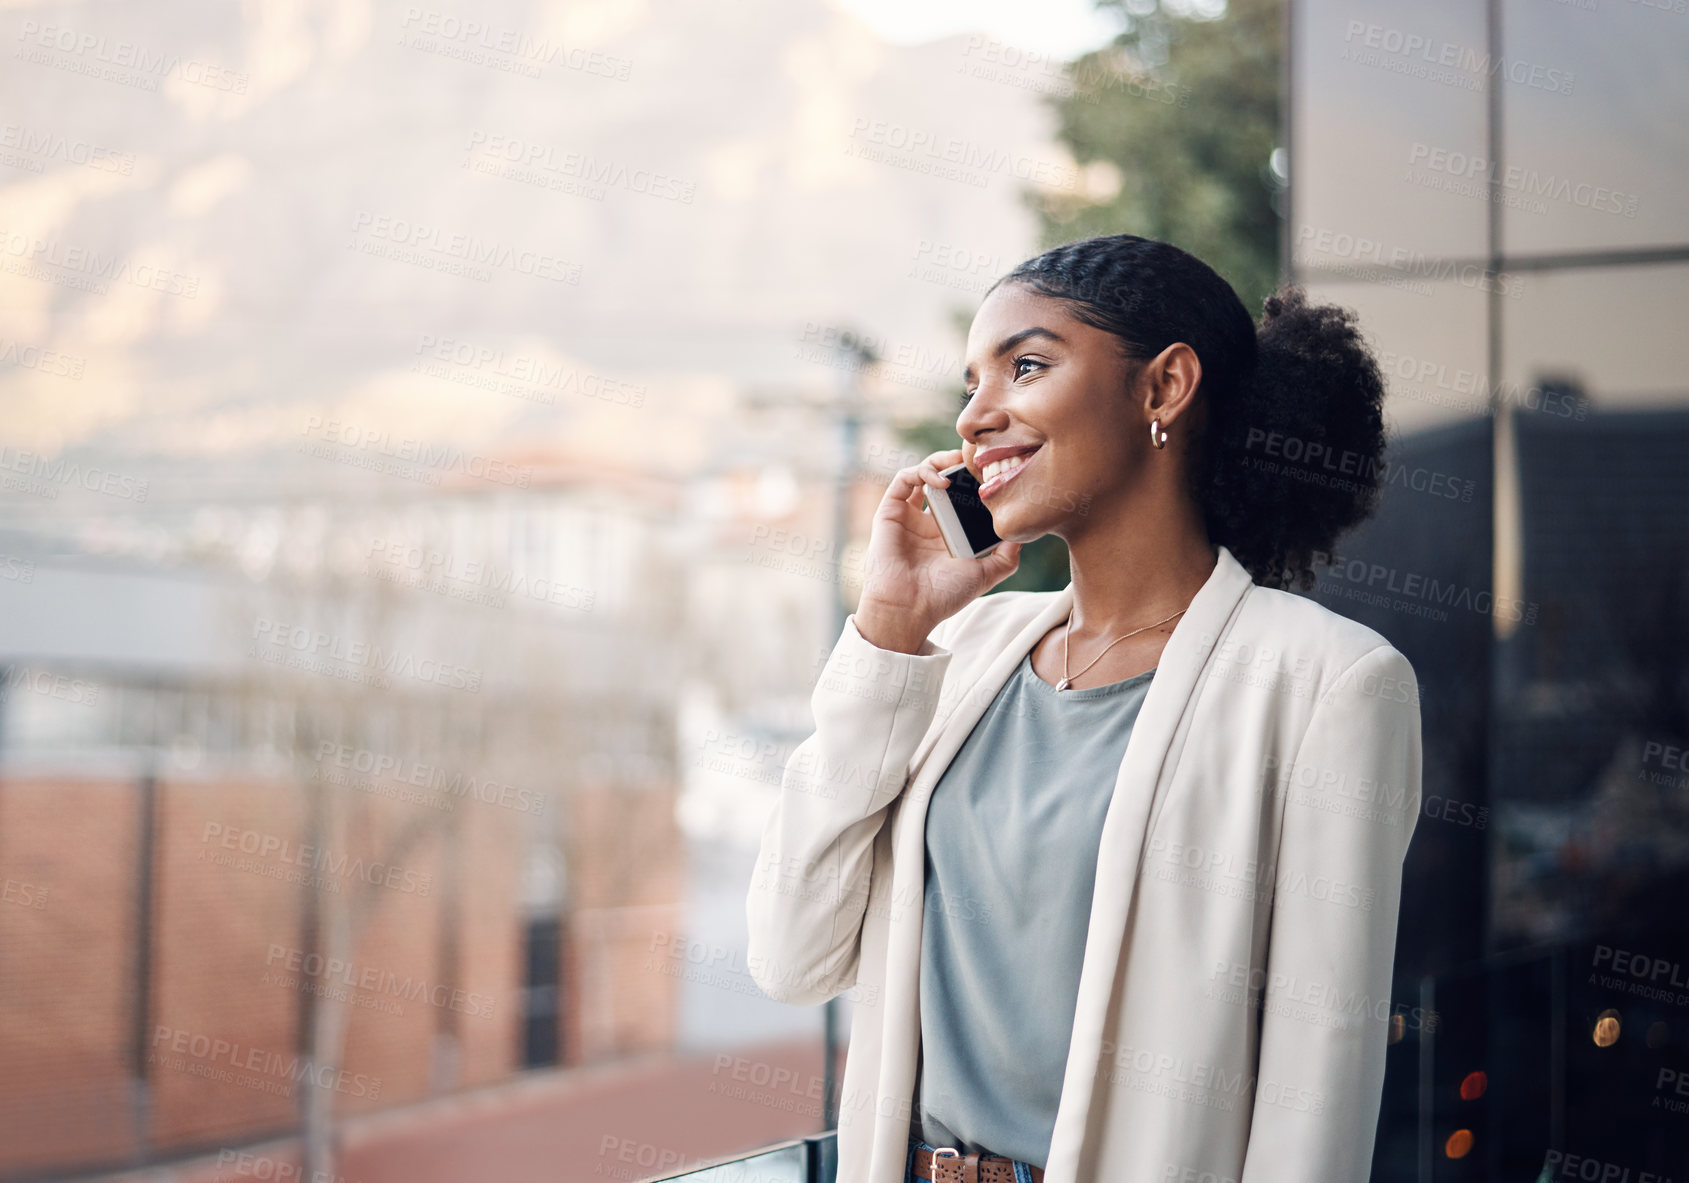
[(1302, 458)]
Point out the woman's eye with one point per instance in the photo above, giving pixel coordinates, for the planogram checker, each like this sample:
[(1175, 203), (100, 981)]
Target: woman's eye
[(1019, 374)]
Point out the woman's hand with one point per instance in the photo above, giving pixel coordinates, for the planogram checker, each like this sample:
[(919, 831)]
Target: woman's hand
[(911, 582)]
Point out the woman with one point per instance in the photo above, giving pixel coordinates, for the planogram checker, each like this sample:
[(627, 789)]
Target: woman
[(1112, 873)]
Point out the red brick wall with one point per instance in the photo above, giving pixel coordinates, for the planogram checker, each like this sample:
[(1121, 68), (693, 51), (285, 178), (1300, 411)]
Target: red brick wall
[(226, 1006), (65, 970), (390, 1027), (490, 937), (627, 874), (219, 1039)]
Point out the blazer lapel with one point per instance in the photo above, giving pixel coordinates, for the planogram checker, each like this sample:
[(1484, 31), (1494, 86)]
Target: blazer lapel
[(1125, 831)]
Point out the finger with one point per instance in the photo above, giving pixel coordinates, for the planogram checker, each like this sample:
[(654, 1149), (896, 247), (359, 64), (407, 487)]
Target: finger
[(933, 465), (929, 470), (902, 481), (907, 486)]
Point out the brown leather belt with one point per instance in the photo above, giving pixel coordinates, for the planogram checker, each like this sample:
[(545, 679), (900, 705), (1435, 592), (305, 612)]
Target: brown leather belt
[(946, 1164)]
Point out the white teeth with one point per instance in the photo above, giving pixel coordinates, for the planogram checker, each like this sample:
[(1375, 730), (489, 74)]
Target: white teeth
[(998, 467)]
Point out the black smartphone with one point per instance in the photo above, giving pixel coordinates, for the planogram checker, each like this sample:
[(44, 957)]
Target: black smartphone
[(962, 517)]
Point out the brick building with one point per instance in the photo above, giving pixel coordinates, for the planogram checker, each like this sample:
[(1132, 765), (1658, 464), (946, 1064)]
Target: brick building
[(241, 871)]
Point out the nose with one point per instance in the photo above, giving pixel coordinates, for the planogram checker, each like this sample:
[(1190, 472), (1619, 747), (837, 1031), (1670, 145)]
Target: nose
[(980, 415)]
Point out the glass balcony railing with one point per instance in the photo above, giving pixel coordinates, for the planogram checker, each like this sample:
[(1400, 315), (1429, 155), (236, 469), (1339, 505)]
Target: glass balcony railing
[(802, 1160)]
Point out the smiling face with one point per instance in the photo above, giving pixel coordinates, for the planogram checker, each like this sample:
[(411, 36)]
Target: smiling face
[(1051, 427)]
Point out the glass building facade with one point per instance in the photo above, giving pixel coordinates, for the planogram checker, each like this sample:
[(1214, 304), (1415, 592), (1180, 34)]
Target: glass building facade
[(1495, 188)]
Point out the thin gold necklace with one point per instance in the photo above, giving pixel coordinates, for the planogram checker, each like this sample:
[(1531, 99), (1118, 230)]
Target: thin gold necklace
[(1067, 679)]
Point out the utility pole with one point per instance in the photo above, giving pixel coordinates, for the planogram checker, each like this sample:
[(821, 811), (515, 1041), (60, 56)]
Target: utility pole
[(852, 355)]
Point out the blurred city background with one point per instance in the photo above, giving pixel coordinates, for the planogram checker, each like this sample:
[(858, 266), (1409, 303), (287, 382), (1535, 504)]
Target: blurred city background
[(436, 447)]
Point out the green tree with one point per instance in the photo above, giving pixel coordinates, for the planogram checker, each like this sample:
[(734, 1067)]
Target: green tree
[(1183, 110)]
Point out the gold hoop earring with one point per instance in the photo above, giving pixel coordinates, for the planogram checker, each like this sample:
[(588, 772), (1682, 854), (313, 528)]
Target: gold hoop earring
[(1157, 436)]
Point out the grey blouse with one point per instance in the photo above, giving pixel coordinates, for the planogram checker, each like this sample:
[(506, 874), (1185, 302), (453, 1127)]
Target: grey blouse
[(1011, 838)]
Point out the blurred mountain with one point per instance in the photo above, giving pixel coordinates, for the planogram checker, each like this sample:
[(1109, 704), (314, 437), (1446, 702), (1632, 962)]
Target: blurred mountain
[(659, 206)]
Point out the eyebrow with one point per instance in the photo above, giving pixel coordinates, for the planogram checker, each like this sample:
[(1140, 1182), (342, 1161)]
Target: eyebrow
[(1009, 342)]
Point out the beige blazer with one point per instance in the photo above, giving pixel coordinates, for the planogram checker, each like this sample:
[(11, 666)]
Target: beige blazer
[(1234, 1001)]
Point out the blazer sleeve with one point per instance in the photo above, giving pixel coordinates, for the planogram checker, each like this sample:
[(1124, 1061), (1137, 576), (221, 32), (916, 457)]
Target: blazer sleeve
[(809, 890), (1351, 802)]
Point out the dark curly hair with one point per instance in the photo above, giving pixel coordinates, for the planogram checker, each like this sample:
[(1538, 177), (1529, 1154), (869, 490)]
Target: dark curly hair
[(1291, 443)]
